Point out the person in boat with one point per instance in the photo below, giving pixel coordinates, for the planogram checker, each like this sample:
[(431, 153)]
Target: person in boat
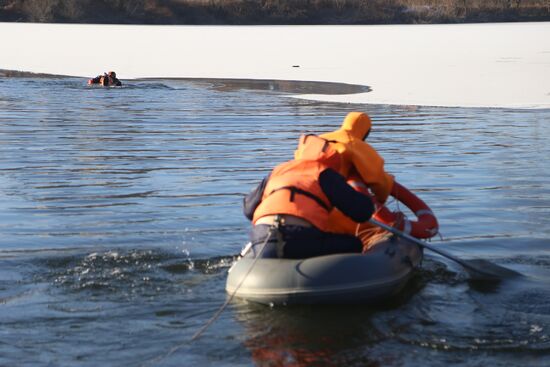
[(106, 80), (290, 208), (362, 164)]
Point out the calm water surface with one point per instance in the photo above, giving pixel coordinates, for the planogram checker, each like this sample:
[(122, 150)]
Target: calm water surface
[(120, 215)]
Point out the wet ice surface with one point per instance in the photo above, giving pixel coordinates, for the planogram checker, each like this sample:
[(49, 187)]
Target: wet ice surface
[(120, 215)]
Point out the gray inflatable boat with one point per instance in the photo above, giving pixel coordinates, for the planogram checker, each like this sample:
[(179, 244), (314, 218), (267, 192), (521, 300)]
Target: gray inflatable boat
[(341, 278)]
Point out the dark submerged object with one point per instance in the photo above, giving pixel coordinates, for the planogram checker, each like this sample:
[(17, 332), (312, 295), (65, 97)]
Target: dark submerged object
[(333, 279)]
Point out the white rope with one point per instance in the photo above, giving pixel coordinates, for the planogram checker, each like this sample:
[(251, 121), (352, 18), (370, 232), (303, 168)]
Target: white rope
[(230, 298), (218, 313)]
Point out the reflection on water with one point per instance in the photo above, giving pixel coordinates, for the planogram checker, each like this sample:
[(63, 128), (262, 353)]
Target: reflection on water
[(306, 336), (120, 215), (282, 86)]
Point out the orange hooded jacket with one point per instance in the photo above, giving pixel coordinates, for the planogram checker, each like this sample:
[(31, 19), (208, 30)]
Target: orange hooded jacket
[(357, 156)]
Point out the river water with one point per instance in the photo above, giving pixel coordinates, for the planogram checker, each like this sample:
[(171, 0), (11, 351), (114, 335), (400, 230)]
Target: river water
[(120, 214)]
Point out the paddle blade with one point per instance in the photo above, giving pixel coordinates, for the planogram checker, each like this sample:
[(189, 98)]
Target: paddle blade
[(485, 270)]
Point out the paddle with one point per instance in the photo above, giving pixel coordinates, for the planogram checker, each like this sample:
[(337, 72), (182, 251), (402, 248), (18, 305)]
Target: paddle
[(478, 269)]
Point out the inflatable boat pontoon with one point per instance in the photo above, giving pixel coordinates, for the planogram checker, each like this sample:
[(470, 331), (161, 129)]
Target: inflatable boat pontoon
[(342, 278)]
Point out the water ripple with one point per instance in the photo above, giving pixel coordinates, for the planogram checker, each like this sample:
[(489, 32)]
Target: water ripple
[(120, 215)]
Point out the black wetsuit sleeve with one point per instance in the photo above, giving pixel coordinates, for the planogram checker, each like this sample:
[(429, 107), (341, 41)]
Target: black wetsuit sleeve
[(253, 199), (357, 206)]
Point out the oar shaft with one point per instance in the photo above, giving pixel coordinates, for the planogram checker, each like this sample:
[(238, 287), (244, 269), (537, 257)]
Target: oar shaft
[(415, 240)]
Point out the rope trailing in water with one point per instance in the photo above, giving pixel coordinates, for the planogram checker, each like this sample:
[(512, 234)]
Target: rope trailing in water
[(230, 298), (220, 310)]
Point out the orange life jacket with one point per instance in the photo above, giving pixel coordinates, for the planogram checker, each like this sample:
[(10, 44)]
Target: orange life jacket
[(293, 187)]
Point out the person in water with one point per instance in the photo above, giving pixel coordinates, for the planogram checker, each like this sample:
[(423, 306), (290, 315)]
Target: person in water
[(106, 80), (290, 209), (362, 163)]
